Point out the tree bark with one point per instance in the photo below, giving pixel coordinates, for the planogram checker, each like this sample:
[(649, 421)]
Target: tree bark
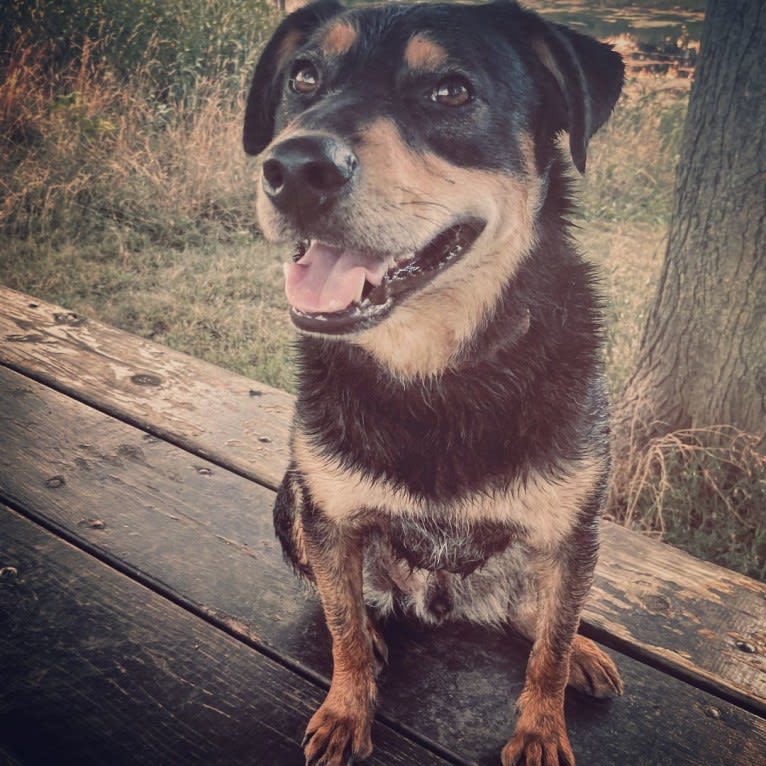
[(702, 359)]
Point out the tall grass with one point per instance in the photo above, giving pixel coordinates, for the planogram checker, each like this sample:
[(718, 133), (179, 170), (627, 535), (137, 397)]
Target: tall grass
[(171, 42), (702, 489), (88, 152), (632, 160), (125, 194)]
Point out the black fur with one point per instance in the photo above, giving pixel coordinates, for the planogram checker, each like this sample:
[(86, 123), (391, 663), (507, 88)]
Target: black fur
[(264, 95), (514, 404), (519, 406), (500, 32)]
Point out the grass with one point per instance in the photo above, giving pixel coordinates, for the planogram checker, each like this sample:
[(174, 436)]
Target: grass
[(137, 210), (632, 159), (127, 197), (704, 490)]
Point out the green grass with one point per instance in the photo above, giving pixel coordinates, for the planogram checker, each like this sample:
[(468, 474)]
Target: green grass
[(218, 301), (632, 159), (125, 195)]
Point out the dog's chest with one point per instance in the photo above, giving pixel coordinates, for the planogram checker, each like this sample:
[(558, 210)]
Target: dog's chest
[(434, 544)]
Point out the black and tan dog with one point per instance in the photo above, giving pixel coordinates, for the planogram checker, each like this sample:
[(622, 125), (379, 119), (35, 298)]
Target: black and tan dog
[(449, 447)]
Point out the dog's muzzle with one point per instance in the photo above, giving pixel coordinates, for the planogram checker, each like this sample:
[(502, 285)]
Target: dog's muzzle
[(333, 286), (304, 175)]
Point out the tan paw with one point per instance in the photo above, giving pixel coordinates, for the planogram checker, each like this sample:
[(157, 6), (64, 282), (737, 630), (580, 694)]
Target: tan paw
[(337, 737), (540, 744), (592, 671)]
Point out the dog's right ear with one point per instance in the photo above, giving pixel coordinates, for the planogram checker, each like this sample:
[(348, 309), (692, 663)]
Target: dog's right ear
[(265, 86), (589, 75)]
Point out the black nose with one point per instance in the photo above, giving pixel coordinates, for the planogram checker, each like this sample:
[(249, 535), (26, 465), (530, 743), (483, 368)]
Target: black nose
[(306, 173)]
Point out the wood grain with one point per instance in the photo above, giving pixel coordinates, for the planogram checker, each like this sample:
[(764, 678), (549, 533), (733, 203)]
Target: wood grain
[(680, 613), (222, 416), (649, 599), (97, 669), (202, 536)]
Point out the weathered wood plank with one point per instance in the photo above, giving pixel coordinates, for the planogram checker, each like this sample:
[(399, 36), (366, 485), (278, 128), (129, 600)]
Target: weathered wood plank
[(224, 417), (97, 669), (662, 605), (649, 599), (203, 536)]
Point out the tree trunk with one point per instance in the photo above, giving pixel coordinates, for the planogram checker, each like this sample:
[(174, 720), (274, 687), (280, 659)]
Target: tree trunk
[(702, 360)]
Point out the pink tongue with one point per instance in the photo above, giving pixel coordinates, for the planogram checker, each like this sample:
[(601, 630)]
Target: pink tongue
[(328, 279)]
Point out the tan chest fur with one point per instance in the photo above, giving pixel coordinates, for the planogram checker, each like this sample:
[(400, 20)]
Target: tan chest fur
[(545, 508)]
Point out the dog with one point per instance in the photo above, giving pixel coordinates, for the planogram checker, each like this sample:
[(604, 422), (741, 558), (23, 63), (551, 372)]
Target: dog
[(450, 448)]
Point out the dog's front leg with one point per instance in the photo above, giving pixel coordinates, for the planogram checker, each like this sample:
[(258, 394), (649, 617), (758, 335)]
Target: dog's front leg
[(340, 730), (563, 577)]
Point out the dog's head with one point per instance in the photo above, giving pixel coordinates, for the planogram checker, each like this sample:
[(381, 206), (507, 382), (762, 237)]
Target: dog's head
[(405, 148)]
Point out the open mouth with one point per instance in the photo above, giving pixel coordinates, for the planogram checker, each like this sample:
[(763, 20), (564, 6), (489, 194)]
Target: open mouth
[(333, 290)]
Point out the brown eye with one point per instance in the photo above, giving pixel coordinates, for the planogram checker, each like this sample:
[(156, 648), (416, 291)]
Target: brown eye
[(304, 79), (452, 91)]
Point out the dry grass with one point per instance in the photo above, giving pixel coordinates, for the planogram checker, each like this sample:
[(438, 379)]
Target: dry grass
[(90, 156), (632, 159), (629, 256), (703, 489)]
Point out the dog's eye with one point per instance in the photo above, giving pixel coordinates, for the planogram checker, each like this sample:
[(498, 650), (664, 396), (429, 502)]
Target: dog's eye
[(304, 78), (452, 91)]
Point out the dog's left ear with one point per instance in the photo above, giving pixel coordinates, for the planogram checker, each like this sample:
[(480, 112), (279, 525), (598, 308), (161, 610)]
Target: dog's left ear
[(589, 75), (263, 99)]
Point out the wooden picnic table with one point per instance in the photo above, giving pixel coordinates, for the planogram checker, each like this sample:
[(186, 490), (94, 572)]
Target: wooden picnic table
[(147, 617)]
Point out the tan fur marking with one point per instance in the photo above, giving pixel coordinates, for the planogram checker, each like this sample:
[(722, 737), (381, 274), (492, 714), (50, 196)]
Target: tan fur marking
[(298, 537), (344, 718), (540, 736), (450, 309), (293, 5), (592, 671), (424, 54), (403, 200), (547, 509), (339, 38)]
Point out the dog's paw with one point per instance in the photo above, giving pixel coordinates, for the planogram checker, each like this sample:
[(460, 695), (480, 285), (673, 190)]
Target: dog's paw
[(337, 737), (592, 671), (540, 737), (538, 746)]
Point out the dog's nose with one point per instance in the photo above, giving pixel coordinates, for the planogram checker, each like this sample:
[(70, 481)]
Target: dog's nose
[(304, 173)]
